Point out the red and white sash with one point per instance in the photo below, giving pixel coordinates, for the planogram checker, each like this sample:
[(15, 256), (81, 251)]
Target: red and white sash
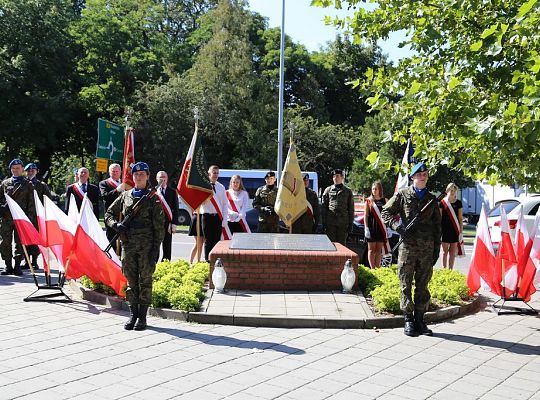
[(243, 222), (78, 191), (165, 206), (455, 224), (378, 220), (112, 183), (225, 232), (309, 210)]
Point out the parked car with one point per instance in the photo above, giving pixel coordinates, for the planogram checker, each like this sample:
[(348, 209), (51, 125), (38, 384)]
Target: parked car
[(511, 206)]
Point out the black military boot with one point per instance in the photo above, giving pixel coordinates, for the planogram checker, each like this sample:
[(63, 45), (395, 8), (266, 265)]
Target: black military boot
[(409, 329), (17, 269), (141, 323), (420, 325), (9, 268), (133, 315)]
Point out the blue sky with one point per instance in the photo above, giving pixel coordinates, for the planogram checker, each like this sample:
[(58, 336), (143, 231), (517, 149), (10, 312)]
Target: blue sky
[(305, 24)]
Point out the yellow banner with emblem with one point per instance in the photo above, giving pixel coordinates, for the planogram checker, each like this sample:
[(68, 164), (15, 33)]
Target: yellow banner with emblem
[(291, 200)]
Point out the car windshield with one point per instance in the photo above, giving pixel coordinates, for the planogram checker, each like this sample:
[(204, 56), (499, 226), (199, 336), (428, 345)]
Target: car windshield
[(508, 206)]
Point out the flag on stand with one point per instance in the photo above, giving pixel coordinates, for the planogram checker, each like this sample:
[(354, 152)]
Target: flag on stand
[(72, 211), (291, 200), (87, 256), (482, 263), (505, 273), (51, 240), (529, 264), (28, 234), (129, 158), (403, 178), (194, 185), (60, 227)]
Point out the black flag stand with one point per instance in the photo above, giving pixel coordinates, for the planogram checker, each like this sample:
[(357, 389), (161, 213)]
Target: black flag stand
[(56, 288), (501, 309)]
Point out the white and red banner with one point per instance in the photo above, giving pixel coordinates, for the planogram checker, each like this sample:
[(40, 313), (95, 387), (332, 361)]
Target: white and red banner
[(28, 234), (243, 222), (483, 257), (165, 205), (129, 158), (225, 231), (60, 228)]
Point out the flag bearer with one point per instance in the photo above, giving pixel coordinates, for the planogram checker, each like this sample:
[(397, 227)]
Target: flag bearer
[(22, 191), (140, 239), (420, 249), (338, 209)]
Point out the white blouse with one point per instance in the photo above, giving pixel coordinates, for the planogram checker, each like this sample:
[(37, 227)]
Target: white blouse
[(241, 201)]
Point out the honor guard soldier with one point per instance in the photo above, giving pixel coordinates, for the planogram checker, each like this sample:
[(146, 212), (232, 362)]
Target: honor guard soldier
[(22, 191), (109, 190), (338, 209), (41, 189), (307, 222), (264, 202), (141, 239), (420, 249)]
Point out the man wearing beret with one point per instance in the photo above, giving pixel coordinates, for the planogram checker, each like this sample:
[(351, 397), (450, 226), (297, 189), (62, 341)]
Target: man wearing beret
[(41, 189), (140, 239), (307, 222), (338, 209), (420, 249), (82, 187), (264, 202), (20, 190)]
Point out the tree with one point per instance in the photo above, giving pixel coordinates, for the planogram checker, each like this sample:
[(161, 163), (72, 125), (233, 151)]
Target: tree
[(470, 91)]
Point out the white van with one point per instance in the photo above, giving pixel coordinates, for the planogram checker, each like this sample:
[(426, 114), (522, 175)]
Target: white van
[(252, 179)]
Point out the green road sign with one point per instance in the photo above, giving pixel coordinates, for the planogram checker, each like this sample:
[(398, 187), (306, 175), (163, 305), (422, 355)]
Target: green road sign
[(110, 143)]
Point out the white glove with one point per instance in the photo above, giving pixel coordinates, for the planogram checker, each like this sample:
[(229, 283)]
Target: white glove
[(367, 233), (120, 188), (233, 215), (460, 238), (388, 233), (172, 228)]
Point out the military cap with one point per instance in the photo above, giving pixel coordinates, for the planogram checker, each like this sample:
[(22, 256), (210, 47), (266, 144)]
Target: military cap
[(140, 166), (30, 166), (420, 167), (305, 176), (269, 174), (337, 172), (15, 161)]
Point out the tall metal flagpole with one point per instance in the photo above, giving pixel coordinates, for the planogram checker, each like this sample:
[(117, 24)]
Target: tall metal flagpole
[(281, 85)]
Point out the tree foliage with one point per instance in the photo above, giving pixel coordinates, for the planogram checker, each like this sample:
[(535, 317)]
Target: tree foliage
[(470, 91)]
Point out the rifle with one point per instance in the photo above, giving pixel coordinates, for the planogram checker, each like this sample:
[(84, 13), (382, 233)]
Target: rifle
[(413, 221), (129, 217)]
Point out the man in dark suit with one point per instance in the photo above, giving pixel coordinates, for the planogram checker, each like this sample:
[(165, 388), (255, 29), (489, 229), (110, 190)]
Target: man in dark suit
[(110, 189), (169, 201), (81, 187)]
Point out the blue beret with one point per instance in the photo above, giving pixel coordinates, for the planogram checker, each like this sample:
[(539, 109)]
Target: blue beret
[(140, 166), (30, 166), (420, 167), (15, 161)]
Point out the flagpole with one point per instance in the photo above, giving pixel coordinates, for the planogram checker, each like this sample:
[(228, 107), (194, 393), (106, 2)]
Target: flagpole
[(281, 89)]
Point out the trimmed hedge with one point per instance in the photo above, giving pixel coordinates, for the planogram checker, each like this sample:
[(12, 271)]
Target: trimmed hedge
[(382, 285)]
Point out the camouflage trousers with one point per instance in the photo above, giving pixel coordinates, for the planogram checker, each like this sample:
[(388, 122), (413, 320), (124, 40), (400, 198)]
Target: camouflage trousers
[(138, 268), (7, 231), (415, 262), (337, 233)]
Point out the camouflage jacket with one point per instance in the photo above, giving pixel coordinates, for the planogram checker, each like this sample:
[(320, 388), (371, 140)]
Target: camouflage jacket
[(338, 205), (265, 197), (407, 205), (146, 225), (22, 193)]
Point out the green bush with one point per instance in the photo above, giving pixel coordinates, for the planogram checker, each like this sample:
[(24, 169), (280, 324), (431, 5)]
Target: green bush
[(448, 286), (97, 286)]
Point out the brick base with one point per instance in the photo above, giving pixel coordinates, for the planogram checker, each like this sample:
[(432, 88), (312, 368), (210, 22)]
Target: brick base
[(281, 269)]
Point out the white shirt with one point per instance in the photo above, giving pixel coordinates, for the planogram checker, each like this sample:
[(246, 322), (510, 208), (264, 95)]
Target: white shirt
[(241, 201), (221, 199)]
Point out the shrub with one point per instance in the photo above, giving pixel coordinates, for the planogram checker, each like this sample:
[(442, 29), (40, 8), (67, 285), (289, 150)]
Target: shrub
[(97, 286), (448, 286)]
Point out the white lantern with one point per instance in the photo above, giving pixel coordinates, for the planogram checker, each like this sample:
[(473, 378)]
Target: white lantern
[(219, 276), (348, 277)]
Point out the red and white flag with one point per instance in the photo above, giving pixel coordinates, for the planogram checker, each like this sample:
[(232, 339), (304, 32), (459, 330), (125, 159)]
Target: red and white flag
[(60, 228), (129, 158), (87, 256), (482, 263), (505, 275), (73, 212), (51, 252), (523, 243), (28, 234), (529, 266), (403, 178)]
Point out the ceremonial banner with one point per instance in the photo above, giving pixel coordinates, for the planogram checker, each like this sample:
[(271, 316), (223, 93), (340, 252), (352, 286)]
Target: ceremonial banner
[(482, 263), (129, 158)]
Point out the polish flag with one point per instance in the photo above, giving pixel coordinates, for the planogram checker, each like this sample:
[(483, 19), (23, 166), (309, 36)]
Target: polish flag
[(28, 234), (73, 212), (50, 252), (523, 243), (530, 265), (483, 257), (506, 263), (60, 229), (87, 256)]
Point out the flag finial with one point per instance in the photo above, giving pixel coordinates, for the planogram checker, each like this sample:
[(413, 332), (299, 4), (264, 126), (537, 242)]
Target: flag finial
[(196, 116), (291, 127)]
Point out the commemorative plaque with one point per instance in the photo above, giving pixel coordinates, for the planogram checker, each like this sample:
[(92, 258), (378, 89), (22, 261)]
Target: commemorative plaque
[(281, 241)]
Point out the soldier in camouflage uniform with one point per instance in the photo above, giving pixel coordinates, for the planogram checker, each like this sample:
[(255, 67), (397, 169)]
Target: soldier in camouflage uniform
[(420, 249), (20, 190), (264, 201), (338, 209), (141, 240), (307, 222), (41, 189)]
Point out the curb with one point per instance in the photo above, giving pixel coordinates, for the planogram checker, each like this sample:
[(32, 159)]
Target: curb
[(203, 317)]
